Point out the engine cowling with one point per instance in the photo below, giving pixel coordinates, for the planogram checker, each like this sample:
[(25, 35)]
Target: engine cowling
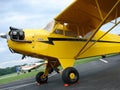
[(16, 34)]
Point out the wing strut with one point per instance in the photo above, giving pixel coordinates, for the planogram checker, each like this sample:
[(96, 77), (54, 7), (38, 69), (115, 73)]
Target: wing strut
[(97, 29), (101, 37), (99, 9)]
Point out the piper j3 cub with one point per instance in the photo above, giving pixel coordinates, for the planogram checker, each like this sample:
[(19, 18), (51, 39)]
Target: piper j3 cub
[(72, 35)]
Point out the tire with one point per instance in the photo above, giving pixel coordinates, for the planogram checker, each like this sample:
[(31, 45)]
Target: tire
[(29, 70), (39, 78), (103, 56), (70, 75)]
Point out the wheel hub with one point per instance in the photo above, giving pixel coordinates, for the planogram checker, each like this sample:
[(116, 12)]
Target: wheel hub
[(72, 76)]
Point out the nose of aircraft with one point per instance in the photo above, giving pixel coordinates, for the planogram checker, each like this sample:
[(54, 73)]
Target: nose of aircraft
[(3, 35), (13, 34)]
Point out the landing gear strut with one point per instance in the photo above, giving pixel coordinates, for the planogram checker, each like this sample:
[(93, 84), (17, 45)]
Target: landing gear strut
[(42, 77), (69, 75)]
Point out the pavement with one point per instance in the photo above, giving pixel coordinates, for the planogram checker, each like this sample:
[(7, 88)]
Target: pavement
[(96, 75)]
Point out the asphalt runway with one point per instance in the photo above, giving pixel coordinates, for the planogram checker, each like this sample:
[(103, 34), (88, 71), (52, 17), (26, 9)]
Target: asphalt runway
[(95, 75)]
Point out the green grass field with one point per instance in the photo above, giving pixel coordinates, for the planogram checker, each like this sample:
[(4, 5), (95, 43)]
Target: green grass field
[(85, 60), (14, 77)]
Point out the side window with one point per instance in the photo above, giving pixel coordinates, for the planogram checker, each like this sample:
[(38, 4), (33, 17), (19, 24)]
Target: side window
[(67, 33), (58, 31), (71, 33)]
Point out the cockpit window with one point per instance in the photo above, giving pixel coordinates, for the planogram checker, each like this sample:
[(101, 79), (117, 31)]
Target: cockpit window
[(71, 33), (66, 33), (58, 31), (50, 26)]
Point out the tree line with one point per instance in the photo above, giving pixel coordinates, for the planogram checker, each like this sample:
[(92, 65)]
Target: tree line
[(7, 70)]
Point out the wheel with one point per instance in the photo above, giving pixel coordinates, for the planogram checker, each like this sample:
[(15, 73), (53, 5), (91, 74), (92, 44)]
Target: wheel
[(40, 79), (29, 70), (103, 56), (70, 75)]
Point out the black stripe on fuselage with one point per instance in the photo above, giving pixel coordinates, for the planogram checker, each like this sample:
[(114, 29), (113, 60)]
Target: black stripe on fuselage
[(50, 40)]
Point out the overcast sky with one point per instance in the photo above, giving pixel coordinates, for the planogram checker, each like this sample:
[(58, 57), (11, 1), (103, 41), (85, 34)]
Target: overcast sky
[(33, 14)]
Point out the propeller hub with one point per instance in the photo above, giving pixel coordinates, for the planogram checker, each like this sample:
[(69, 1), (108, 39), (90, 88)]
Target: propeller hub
[(2, 35)]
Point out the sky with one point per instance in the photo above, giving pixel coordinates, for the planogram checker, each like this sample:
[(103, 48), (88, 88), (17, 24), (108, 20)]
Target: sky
[(25, 14), (28, 14)]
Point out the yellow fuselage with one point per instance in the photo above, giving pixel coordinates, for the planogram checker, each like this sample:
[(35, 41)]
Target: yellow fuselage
[(48, 45)]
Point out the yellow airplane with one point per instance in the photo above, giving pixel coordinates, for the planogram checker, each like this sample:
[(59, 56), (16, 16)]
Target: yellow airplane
[(72, 35)]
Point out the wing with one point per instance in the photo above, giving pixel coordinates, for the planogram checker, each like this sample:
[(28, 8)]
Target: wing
[(88, 14)]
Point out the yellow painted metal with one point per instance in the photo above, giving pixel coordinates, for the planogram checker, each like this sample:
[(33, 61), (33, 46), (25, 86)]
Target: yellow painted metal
[(65, 51), (31, 48), (72, 76), (67, 62)]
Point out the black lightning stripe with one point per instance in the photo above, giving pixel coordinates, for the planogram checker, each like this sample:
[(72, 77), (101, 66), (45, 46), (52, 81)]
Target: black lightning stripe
[(51, 40)]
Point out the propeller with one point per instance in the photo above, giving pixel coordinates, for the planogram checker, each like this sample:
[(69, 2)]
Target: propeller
[(2, 35), (5, 36), (16, 35)]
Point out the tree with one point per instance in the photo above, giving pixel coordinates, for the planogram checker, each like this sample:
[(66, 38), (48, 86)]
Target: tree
[(7, 70)]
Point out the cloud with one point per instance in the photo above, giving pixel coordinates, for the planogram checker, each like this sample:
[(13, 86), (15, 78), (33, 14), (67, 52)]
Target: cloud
[(2, 49), (18, 62), (109, 25), (45, 5), (29, 14), (23, 20), (3, 46)]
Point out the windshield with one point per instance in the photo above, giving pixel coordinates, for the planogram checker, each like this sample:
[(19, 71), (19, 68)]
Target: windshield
[(50, 26)]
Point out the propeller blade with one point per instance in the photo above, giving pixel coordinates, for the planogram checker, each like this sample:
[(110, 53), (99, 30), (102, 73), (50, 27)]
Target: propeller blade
[(2, 35)]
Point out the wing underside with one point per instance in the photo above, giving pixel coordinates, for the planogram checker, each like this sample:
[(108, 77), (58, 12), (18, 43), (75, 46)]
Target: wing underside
[(88, 14)]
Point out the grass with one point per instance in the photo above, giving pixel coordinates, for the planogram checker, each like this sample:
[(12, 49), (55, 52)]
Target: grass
[(85, 60), (14, 77)]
